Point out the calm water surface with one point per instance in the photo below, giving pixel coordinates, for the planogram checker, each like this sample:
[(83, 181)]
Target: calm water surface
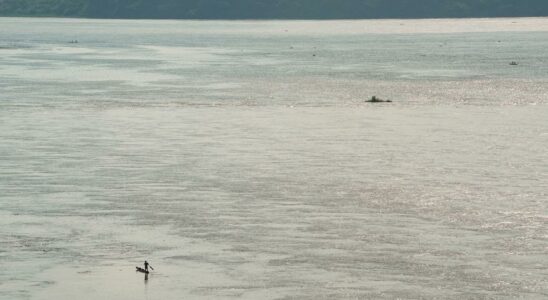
[(240, 159)]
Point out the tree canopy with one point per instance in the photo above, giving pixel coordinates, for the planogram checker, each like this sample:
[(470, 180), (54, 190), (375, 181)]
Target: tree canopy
[(274, 9)]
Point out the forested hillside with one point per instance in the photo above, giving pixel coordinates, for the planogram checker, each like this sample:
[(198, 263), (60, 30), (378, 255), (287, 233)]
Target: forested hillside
[(273, 9)]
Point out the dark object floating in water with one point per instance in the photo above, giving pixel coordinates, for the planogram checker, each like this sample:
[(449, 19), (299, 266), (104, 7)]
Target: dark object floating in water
[(374, 99), (514, 63), (73, 42), (141, 270)]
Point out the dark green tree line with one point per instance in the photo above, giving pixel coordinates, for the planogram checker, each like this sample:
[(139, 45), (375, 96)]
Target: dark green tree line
[(274, 9)]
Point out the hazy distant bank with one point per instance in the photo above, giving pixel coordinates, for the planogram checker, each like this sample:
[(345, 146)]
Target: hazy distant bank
[(273, 9)]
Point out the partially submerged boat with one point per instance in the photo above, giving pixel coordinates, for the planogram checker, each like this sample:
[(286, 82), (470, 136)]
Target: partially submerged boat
[(374, 99)]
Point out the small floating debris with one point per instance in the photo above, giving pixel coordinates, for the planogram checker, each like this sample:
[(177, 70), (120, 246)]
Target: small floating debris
[(73, 42), (374, 99), (514, 63)]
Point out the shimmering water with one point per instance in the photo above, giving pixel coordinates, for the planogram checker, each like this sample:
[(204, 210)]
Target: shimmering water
[(240, 159)]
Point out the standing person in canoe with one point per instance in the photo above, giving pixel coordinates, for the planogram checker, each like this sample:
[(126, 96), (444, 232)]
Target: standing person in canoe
[(145, 270)]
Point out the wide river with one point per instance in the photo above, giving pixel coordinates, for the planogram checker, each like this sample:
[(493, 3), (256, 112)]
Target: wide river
[(240, 159)]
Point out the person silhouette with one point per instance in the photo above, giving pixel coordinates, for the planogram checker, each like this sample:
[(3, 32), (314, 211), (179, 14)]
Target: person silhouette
[(148, 265)]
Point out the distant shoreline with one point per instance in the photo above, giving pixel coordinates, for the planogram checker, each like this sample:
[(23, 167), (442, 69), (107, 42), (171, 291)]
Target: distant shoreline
[(274, 9), (265, 19)]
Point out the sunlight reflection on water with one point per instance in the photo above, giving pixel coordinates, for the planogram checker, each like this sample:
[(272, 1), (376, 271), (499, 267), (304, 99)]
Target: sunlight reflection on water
[(242, 161)]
